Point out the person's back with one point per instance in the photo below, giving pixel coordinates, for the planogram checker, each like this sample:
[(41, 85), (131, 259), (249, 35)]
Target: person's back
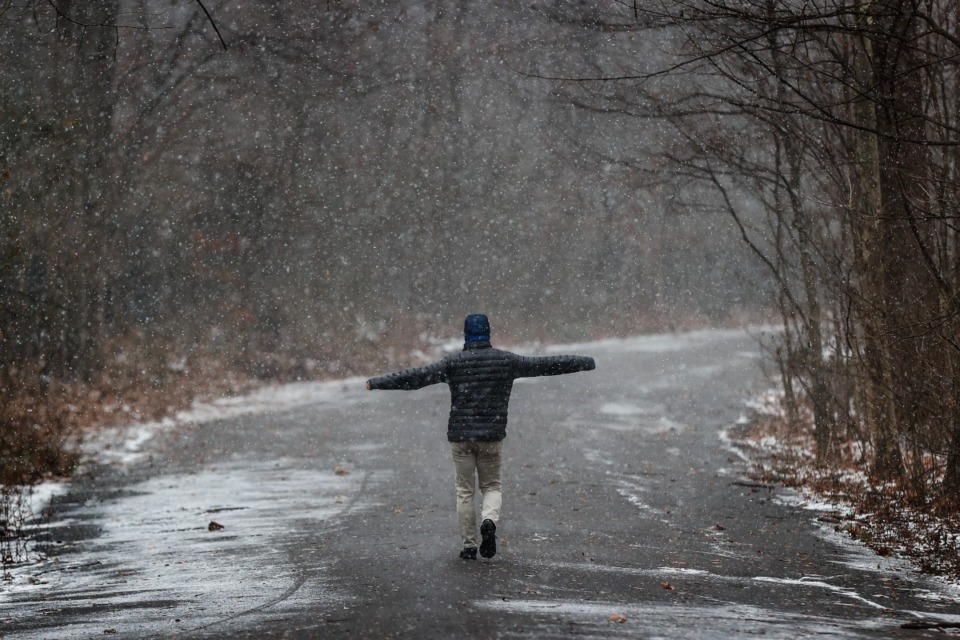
[(480, 380)]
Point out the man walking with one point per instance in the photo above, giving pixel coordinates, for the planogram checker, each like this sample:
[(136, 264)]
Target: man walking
[(480, 379)]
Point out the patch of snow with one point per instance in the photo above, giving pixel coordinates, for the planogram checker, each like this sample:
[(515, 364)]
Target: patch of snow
[(154, 551), (631, 491), (856, 555), (938, 597), (597, 457), (767, 403), (664, 425), (948, 618), (820, 584), (623, 409), (41, 494), (633, 571), (809, 501), (126, 445), (729, 445)]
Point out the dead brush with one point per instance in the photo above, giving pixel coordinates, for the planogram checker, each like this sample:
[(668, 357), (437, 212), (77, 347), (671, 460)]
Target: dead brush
[(36, 441), (38, 429), (911, 520), (15, 514)]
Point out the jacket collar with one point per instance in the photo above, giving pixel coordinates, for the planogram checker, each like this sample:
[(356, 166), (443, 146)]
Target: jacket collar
[(478, 344)]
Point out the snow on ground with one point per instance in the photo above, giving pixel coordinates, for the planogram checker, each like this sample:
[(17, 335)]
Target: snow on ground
[(730, 446), (167, 517), (803, 498), (157, 538), (43, 493), (659, 342), (126, 444), (624, 409), (632, 492)]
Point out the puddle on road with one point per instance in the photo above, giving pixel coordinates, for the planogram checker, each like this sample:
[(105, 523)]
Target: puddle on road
[(156, 567)]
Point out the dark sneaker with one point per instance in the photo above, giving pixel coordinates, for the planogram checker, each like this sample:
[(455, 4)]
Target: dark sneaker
[(488, 546), (469, 553)]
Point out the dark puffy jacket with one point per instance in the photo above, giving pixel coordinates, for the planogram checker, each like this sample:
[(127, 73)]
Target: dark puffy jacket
[(480, 379)]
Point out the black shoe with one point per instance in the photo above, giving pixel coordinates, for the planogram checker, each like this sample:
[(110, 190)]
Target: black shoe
[(488, 546), (469, 553)]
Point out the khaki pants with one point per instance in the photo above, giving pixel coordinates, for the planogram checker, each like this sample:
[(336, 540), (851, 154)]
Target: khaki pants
[(474, 461)]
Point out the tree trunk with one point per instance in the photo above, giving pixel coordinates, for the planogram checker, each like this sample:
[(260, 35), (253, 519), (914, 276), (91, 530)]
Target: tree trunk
[(81, 265), (791, 140), (888, 461)]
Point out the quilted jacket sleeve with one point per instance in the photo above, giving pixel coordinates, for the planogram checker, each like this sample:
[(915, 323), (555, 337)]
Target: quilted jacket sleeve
[(410, 379), (528, 367)]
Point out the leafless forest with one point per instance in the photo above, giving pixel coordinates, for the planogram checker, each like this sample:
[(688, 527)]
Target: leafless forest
[(839, 121), (299, 189), (324, 188)]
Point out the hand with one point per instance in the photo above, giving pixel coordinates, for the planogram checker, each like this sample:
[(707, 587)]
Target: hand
[(368, 386)]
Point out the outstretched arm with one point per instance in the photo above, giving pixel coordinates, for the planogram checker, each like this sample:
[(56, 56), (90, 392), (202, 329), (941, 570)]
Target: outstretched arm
[(410, 379), (528, 367)]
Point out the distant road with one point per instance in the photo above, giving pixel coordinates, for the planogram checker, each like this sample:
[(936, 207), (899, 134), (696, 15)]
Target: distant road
[(625, 515)]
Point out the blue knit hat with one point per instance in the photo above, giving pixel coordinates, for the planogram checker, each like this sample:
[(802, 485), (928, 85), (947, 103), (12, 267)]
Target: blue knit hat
[(476, 328)]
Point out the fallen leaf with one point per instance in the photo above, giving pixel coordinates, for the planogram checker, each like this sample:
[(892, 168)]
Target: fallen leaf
[(616, 617), (110, 630), (214, 526), (341, 471), (666, 585)]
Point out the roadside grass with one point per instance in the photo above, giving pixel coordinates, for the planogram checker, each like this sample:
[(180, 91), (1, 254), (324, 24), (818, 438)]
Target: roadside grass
[(37, 440), (884, 516), (15, 513)]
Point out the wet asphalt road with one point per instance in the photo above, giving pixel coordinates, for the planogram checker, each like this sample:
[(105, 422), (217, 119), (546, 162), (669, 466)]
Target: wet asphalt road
[(625, 515)]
